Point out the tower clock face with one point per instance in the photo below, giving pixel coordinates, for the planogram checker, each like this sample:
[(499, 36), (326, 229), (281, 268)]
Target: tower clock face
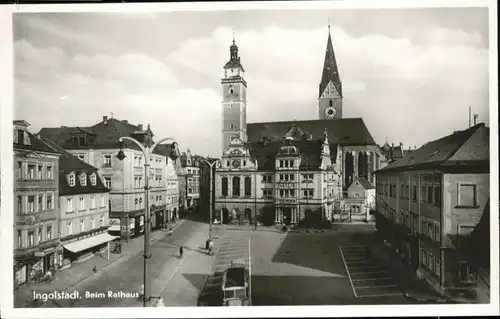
[(236, 163), (330, 112)]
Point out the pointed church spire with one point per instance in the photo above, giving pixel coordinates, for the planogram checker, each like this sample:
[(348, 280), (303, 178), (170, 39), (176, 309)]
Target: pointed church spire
[(330, 69)]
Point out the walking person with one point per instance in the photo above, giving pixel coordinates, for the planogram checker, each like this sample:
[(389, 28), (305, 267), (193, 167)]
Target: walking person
[(181, 251), (210, 247), (94, 269)]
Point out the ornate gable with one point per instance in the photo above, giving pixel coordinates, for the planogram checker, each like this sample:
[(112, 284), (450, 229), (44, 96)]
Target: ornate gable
[(237, 156), (330, 91), (298, 133)]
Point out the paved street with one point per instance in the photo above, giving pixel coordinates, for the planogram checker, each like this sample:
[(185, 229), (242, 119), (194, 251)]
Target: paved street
[(231, 246), (300, 268), (126, 273), (367, 278)]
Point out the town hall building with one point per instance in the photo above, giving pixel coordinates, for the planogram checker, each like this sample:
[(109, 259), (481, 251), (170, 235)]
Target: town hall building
[(280, 172)]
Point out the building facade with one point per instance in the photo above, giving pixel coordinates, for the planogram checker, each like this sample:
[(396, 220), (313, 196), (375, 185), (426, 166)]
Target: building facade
[(83, 209), (355, 152), (172, 181), (428, 200), (278, 182), (172, 152), (359, 202), (36, 194), (98, 146), (192, 175)]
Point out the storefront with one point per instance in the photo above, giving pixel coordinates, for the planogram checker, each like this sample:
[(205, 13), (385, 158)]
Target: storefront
[(84, 248)]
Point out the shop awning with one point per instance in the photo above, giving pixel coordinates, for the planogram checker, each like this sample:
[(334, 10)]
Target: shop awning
[(90, 242)]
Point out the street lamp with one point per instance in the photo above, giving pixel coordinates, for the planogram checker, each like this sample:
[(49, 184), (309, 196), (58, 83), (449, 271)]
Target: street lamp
[(211, 165), (147, 150)]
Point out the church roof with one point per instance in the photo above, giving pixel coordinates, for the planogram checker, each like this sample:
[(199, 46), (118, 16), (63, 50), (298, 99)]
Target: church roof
[(265, 152), (349, 131), (330, 69)]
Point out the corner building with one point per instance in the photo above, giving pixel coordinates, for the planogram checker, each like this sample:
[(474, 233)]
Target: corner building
[(329, 153), (430, 201), (36, 209)]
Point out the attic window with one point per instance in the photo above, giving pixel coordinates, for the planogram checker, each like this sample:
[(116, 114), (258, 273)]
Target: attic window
[(26, 138), (93, 179), (83, 179), (71, 179)]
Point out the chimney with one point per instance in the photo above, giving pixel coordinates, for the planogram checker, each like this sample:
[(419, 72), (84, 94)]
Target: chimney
[(140, 127), (105, 119), (475, 118)]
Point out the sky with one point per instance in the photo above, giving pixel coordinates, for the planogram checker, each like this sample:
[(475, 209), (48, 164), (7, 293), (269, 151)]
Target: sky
[(411, 74)]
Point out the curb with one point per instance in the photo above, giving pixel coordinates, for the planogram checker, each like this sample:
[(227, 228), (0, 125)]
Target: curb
[(129, 256)]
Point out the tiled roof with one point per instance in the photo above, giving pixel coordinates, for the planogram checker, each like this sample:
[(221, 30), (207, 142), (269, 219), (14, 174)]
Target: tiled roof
[(349, 131), (309, 150), (103, 135), (36, 144), (440, 151), (330, 69), (365, 183), (69, 163)]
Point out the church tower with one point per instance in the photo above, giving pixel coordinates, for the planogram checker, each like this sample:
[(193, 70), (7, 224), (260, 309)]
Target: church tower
[(330, 88), (234, 99)]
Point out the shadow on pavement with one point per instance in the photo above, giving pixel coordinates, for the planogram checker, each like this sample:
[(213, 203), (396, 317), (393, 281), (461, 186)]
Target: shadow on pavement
[(307, 250)]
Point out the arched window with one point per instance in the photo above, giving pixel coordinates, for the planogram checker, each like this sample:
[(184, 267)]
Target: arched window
[(224, 186), (248, 185), (331, 103), (236, 186)]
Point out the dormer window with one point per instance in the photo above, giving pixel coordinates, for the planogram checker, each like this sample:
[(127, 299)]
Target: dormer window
[(93, 179), (83, 179), (71, 179), (26, 138)]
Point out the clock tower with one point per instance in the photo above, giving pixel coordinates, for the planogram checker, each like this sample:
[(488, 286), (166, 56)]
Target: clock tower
[(234, 99), (330, 87)]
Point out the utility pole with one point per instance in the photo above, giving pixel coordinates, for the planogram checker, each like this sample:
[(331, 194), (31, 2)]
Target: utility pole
[(469, 116), (211, 166), (147, 150)]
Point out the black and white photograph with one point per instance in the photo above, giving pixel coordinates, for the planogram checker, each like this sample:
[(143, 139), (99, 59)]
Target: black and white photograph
[(203, 156)]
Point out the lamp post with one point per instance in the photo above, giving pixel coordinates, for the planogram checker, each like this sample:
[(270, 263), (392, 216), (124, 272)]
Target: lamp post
[(147, 150), (211, 165)]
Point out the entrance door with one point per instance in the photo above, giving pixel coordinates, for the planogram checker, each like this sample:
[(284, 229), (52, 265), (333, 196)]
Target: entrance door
[(287, 215), (225, 215)]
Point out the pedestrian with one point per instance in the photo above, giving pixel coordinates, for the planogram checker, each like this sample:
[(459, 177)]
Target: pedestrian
[(181, 251), (210, 246), (94, 269)]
